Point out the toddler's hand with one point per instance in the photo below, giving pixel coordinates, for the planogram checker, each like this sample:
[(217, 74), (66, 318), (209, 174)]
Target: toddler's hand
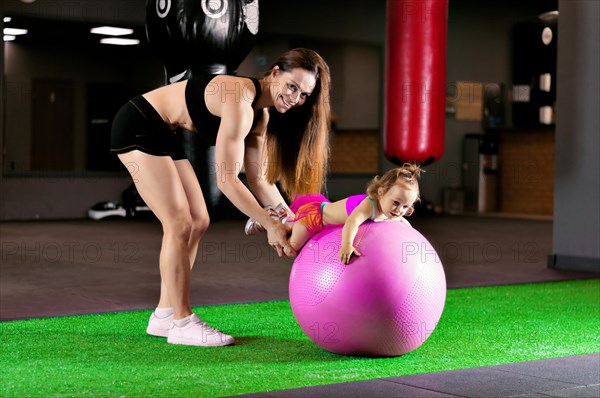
[(346, 252)]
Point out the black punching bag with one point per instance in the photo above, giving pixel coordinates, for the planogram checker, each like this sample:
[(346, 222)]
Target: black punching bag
[(194, 38)]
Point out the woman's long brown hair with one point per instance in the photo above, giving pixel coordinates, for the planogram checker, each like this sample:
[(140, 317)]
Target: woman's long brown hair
[(297, 141)]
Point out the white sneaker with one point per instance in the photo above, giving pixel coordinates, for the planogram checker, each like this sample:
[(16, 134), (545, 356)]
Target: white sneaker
[(283, 213), (280, 213), (253, 227), (198, 333), (159, 326)]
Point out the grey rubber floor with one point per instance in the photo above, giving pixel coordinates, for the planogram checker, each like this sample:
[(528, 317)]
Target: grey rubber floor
[(567, 377)]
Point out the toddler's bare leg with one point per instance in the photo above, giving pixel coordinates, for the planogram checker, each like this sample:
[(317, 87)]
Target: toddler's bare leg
[(299, 236)]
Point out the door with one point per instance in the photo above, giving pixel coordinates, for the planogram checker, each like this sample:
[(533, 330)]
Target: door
[(52, 125)]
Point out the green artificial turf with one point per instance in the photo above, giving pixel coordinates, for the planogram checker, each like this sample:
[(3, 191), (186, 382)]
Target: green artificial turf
[(109, 355)]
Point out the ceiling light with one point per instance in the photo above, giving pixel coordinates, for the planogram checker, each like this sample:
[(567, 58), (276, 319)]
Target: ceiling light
[(9, 37), (550, 16), (14, 31), (111, 31), (120, 42), (7, 19)]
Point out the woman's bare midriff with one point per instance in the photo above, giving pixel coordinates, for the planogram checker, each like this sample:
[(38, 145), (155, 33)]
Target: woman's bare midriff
[(169, 102)]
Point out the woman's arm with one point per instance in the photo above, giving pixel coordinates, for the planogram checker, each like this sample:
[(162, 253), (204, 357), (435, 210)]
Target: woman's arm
[(236, 120), (255, 165), (359, 215)]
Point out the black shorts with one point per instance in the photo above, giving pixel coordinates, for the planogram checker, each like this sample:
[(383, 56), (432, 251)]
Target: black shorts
[(137, 125)]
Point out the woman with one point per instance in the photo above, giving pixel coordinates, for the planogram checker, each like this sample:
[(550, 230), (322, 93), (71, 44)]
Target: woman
[(276, 128)]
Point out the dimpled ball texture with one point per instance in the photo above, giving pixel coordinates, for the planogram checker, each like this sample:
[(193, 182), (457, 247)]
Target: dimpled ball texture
[(385, 303)]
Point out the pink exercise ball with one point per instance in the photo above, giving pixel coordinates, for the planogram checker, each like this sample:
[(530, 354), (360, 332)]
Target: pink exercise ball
[(385, 303)]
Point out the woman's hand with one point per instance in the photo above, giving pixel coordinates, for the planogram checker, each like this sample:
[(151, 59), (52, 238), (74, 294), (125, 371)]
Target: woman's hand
[(346, 251), (277, 235)]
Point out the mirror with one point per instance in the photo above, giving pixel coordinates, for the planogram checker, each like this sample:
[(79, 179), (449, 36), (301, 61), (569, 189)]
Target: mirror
[(63, 87)]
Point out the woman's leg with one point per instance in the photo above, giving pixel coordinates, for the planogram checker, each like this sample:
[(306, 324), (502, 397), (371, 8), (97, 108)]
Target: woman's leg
[(175, 198), (199, 214), (198, 210), (159, 184)]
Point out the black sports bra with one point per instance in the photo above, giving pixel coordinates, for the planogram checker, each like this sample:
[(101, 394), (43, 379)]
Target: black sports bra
[(205, 122)]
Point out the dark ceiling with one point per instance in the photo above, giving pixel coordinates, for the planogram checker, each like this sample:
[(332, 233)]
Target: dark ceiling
[(75, 35)]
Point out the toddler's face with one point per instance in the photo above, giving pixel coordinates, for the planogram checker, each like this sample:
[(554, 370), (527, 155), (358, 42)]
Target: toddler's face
[(397, 201)]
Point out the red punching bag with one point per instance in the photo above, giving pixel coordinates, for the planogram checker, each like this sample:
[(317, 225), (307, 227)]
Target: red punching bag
[(415, 80)]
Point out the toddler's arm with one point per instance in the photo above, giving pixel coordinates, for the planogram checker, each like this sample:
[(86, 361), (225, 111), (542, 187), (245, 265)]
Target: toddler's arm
[(360, 214)]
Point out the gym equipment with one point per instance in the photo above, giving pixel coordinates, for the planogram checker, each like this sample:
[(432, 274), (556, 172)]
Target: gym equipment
[(384, 303), (415, 80)]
